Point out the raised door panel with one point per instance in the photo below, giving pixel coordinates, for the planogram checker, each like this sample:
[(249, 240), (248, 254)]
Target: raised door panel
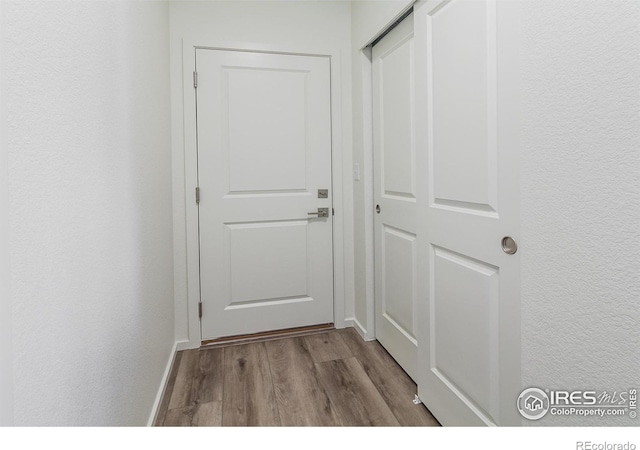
[(398, 291), (267, 263), (396, 121), (272, 105), (463, 106), (464, 326)]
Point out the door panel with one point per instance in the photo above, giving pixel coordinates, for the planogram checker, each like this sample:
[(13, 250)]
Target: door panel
[(469, 346), (395, 193), (399, 253), (394, 70), (464, 326), (264, 150), (464, 160), (278, 115), (279, 273)]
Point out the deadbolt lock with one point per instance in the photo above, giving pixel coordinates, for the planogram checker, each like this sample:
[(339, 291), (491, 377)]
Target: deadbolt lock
[(323, 193)]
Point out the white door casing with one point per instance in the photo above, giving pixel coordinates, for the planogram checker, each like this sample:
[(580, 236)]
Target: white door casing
[(466, 117), (395, 195), (264, 151)]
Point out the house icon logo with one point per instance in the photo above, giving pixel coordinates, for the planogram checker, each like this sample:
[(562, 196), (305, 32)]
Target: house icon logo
[(533, 403)]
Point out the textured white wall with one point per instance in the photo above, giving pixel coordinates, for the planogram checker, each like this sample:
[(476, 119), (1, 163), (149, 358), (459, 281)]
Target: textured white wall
[(580, 168), (6, 354), (368, 19), (281, 24), (90, 209)]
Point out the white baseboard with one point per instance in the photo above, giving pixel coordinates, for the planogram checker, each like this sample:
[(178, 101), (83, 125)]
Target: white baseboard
[(163, 383), (185, 345), (353, 322)]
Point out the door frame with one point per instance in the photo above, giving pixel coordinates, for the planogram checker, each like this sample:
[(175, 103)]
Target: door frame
[(340, 165)]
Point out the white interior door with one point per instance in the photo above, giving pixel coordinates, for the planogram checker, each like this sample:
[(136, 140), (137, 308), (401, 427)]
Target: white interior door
[(469, 342), (395, 195), (264, 152)]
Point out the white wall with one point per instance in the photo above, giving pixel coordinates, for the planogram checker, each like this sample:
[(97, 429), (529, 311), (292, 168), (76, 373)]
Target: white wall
[(6, 354), (368, 20), (580, 172), (284, 25), (90, 209)]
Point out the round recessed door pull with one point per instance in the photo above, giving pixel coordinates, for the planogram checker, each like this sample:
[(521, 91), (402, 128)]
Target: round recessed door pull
[(378, 209), (509, 245)]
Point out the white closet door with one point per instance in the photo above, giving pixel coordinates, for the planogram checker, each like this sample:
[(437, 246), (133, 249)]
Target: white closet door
[(395, 195), (469, 333)]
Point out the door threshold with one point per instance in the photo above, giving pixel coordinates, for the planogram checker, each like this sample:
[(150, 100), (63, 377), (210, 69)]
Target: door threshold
[(266, 336)]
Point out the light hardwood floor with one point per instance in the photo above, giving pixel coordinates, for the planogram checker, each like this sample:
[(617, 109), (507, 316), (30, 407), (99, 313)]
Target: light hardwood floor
[(329, 379)]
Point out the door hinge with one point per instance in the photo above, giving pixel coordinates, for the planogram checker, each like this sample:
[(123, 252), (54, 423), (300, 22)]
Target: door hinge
[(200, 310), (197, 195), (195, 79), (333, 212)]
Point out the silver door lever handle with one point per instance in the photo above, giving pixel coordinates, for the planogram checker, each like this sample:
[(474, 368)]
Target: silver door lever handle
[(322, 212)]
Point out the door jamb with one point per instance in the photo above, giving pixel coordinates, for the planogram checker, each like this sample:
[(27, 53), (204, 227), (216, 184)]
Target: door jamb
[(342, 263), (366, 64)]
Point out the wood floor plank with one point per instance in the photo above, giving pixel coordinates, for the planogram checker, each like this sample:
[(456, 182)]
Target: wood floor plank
[(394, 385), (168, 390), (185, 390), (211, 375), (198, 415), (327, 346), (199, 378), (355, 398), (248, 397), (302, 400)]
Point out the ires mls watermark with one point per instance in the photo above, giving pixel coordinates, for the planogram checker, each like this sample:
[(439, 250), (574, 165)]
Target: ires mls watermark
[(535, 403)]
